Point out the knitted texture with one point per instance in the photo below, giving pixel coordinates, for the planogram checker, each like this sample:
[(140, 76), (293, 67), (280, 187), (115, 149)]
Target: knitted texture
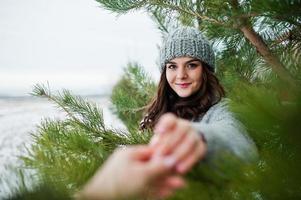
[(186, 41), (224, 133)]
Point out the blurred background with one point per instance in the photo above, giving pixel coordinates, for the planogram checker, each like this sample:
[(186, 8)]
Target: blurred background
[(71, 44)]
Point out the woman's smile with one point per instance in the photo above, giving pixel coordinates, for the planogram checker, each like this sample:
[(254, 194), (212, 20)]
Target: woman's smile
[(183, 85)]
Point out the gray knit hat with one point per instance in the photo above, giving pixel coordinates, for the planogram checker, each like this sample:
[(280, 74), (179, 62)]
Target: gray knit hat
[(186, 41)]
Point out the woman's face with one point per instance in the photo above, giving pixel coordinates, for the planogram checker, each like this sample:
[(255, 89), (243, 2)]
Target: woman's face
[(184, 75)]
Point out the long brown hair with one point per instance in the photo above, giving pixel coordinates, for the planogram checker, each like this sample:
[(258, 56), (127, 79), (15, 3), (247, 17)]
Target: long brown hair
[(191, 108)]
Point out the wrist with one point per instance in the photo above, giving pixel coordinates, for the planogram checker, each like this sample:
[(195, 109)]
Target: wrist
[(88, 193), (95, 191)]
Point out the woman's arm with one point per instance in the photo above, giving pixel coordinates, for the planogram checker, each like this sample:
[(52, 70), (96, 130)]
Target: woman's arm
[(225, 134), (217, 137)]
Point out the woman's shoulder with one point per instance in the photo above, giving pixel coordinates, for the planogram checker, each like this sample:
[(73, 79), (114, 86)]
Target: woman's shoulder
[(218, 110), (221, 105)]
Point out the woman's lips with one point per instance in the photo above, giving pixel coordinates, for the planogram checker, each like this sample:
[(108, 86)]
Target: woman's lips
[(183, 85)]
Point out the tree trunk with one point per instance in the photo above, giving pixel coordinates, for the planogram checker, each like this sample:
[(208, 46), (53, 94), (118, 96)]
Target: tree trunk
[(266, 53), (261, 47)]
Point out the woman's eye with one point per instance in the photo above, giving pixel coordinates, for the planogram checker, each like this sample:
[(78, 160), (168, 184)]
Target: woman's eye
[(192, 65), (171, 66)]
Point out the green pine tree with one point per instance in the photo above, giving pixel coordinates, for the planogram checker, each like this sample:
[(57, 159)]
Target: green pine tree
[(258, 57)]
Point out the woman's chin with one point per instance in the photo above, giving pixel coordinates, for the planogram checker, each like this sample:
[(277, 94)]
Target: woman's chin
[(183, 94)]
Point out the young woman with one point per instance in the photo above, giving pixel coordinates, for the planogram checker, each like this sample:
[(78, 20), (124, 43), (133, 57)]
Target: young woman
[(188, 115)]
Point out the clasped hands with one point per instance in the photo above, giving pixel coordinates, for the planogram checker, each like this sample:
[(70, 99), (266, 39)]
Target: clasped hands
[(176, 140), (153, 170)]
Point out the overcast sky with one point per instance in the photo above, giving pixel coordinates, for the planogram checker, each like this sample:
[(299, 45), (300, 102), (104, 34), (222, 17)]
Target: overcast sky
[(72, 44)]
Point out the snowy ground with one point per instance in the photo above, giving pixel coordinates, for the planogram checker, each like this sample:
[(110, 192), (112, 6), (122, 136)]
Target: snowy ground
[(18, 117)]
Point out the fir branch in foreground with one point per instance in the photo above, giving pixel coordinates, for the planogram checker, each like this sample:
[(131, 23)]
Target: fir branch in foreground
[(87, 114), (67, 152)]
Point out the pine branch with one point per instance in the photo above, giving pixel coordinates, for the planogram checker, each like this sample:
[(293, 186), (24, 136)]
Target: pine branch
[(267, 55), (77, 109), (192, 13), (288, 11), (131, 94), (160, 20), (122, 6), (256, 40), (67, 152)]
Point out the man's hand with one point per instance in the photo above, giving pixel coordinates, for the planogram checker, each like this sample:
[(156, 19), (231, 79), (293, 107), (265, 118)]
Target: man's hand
[(131, 172)]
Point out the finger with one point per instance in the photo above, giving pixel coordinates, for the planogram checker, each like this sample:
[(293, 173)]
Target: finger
[(175, 138), (140, 152), (186, 148), (173, 182), (155, 140), (165, 123), (160, 166), (169, 184), (185, 165)]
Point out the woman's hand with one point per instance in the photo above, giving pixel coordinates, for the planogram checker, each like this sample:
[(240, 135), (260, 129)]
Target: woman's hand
[(130, 173), (174, 137)]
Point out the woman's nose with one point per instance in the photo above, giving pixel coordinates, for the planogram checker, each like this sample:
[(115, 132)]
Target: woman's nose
[(181, 73)]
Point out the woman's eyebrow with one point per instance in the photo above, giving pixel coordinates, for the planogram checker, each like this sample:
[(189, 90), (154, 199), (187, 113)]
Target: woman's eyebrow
[(192, 60), (170, 62)]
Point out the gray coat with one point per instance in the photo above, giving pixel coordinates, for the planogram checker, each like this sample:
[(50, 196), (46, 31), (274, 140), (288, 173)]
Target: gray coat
[(225, 134)]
